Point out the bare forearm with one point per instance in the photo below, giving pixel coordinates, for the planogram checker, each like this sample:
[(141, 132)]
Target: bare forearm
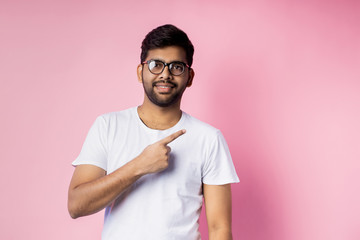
[(91, 190), (91, 197), (220, 234)]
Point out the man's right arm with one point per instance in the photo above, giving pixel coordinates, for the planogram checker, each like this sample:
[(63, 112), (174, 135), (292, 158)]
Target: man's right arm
[(91, 189)]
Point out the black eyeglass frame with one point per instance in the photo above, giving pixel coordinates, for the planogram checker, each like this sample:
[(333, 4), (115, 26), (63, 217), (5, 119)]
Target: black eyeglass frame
[(166, 64)]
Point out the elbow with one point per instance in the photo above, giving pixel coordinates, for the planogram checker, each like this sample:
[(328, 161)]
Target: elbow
[(78, 206), (73, 208), (74, 205), (72, 211), (73, 215), (220, 232), (76, 209)]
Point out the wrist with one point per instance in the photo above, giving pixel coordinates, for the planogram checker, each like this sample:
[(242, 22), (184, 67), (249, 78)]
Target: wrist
[(136, 167)]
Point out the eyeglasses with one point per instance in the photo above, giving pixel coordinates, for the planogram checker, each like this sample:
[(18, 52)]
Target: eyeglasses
[(157, 67)]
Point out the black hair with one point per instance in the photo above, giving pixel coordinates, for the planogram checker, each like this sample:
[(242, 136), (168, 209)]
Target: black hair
[(164, 36)]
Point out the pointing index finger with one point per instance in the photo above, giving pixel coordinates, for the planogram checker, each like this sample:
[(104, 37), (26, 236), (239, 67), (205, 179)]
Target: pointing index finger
[(172, 137)]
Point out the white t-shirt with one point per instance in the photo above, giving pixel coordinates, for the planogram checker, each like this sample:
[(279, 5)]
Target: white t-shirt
[(164, 205)]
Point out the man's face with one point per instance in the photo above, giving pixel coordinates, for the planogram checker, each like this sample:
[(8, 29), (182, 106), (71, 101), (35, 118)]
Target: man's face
[(165, 89)]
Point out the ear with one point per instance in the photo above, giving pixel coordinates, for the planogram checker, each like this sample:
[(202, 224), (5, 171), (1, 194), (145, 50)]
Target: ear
[(191, 77), (139, 73)]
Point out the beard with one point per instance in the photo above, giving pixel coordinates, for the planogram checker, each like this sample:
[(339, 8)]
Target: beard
[(171, 99)]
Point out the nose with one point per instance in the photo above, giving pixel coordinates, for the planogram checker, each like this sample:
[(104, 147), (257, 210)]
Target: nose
[(166, 73)]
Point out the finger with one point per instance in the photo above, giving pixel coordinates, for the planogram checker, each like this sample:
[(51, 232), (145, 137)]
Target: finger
[(172, 137), (168, 150)]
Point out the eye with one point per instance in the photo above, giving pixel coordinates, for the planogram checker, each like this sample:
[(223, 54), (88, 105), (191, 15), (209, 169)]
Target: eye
[(155, 64), (178, 66)]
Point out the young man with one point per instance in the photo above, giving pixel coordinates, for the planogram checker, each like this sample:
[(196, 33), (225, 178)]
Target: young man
[(150, 166)]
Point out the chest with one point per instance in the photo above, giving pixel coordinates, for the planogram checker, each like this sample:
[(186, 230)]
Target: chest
[(186, 160)]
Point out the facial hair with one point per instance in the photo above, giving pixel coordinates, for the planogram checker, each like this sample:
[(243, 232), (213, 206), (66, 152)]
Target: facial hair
[(173, 98)]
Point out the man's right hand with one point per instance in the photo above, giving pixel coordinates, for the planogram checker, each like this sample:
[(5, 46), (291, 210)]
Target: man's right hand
[(155, 157), (91, 189)]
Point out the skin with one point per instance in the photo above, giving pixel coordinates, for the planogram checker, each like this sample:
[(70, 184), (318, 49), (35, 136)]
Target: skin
[(91, 189), (155, 116)]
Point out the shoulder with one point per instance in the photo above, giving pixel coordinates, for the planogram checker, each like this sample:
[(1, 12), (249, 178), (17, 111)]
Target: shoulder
[(112, 121), (117, 115)]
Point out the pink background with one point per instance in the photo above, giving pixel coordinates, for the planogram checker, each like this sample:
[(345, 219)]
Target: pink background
[(281, 79)]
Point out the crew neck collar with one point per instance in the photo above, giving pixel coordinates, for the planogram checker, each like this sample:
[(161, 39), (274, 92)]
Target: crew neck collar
[(176, 126)]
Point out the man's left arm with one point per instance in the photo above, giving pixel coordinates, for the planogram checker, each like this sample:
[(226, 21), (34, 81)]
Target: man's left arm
[(218, 211)]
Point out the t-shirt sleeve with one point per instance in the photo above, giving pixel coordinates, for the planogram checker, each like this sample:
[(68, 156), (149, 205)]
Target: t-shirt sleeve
[(94, 149), (219, 168)]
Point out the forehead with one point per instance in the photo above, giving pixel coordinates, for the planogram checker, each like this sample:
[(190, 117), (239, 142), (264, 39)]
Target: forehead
[(167, 54)]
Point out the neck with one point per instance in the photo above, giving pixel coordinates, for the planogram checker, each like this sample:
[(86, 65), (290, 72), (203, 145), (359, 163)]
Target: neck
[(160, 118)]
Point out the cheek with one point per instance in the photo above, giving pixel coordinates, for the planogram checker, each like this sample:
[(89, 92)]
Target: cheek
[(147, 80)]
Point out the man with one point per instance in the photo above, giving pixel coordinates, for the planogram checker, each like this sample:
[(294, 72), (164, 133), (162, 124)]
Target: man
[(150, 166)]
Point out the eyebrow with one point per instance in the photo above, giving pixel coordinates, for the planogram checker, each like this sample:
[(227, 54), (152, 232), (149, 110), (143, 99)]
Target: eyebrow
[(157, 59)]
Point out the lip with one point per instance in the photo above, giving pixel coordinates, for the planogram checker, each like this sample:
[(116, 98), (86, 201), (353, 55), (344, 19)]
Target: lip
[(163, 84), (164, 87)]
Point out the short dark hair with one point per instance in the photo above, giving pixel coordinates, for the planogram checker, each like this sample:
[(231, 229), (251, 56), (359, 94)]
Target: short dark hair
[(164, 36)]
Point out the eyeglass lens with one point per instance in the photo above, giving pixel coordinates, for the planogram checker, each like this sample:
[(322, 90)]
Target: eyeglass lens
[(175, 68)]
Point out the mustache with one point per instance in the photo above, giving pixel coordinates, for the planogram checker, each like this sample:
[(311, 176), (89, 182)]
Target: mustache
[(166, 82)]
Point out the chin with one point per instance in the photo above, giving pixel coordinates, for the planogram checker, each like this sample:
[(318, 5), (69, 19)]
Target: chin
[(165, 103)]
